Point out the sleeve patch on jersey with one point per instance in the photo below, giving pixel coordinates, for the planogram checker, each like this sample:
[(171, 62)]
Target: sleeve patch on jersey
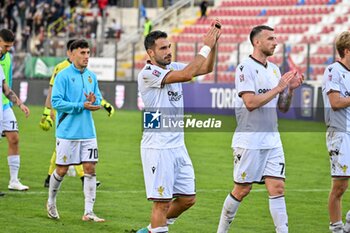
[(241, 77), (330, 69), (241, 68), (330, 77), (156, 73), (148, 68)]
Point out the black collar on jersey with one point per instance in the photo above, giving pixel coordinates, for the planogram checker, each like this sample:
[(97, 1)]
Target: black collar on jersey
[(343, 65), (69, 61), (264, 65)]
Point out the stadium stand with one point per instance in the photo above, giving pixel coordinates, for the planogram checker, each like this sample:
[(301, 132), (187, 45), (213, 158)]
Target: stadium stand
[(304, 26)]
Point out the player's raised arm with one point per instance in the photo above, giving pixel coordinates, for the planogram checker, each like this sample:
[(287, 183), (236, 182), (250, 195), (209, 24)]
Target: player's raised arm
[(208, 65), (193, 69), (11, 95)]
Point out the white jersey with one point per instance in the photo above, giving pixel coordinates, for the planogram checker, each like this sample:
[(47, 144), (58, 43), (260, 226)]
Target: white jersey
[(257, 129), (336, 78), (2, 78), (163, 97)]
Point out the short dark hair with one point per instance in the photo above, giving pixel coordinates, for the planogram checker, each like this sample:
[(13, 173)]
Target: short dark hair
[(152, 37), (83, 44), (69, 43), (256, 31), (7, 35)]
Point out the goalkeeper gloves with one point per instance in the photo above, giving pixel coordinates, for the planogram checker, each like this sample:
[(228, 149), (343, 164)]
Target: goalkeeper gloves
[(46, 122), (109, 108)]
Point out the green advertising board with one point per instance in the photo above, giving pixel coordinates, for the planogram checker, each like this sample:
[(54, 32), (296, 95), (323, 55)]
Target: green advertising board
[(41, 67)]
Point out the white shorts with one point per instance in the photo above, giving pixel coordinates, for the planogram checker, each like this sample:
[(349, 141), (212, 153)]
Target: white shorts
[(168, 173), (338, 145), (252, 166), (9, 121), (72, 152)]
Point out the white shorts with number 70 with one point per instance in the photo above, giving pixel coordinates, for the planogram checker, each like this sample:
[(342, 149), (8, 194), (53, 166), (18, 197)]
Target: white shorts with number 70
[(71, 152)]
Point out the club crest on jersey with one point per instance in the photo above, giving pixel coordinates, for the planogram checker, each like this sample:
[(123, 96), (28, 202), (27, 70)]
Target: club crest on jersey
[(156, 73), (89, 79), (275, 73)]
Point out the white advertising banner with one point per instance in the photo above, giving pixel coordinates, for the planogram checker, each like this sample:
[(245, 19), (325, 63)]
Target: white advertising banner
[(103, 68)]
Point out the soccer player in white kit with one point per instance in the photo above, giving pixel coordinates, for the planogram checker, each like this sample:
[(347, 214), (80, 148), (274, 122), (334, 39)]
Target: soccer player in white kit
[(5, 89), (336, 92), (167, 167), (256, 143)]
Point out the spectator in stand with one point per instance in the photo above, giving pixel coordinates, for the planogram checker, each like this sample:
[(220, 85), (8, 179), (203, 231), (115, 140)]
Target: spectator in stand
[(147, 26), (203, 6)]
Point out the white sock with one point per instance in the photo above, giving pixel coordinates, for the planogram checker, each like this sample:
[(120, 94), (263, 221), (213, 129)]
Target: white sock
[(278, 212), (158, 229), (336, 227), (170, 221), (347, 223), (14, 163), (89, 192), (228, 213), (55, 184)]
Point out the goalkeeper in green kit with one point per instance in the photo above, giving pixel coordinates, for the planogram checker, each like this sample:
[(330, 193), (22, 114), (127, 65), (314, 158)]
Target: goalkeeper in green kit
[(47, 119)]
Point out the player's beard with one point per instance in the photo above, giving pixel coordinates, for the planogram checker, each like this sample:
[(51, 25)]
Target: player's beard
[(163, 62), (268, 52)]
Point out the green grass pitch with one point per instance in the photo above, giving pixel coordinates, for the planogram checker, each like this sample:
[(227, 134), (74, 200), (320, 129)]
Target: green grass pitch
[(121, 198)]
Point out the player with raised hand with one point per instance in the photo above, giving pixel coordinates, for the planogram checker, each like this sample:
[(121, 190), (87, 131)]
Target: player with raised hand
[(9, 121), (167, 167), (257, 147)]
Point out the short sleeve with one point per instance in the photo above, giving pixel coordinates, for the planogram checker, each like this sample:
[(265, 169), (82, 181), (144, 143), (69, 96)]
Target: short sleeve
[(244, 81), (154, 76), (332, 80)]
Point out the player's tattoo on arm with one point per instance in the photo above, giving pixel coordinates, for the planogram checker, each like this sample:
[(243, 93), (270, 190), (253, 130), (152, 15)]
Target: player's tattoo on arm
[(284, 101), (13, 97)]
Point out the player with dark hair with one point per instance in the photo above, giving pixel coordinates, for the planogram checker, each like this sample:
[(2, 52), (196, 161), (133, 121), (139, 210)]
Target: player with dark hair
[(48, 116), (256, 143), (167, 167), (9, 121), (75, 95)]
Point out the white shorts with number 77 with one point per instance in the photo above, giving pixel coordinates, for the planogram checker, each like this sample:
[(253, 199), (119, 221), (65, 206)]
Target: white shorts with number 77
[(71, 152), (251, 166)]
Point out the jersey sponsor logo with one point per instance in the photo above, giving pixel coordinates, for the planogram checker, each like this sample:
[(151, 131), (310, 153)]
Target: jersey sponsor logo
[(262, 91), (156, 73), (174, 96), (152, 120)]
